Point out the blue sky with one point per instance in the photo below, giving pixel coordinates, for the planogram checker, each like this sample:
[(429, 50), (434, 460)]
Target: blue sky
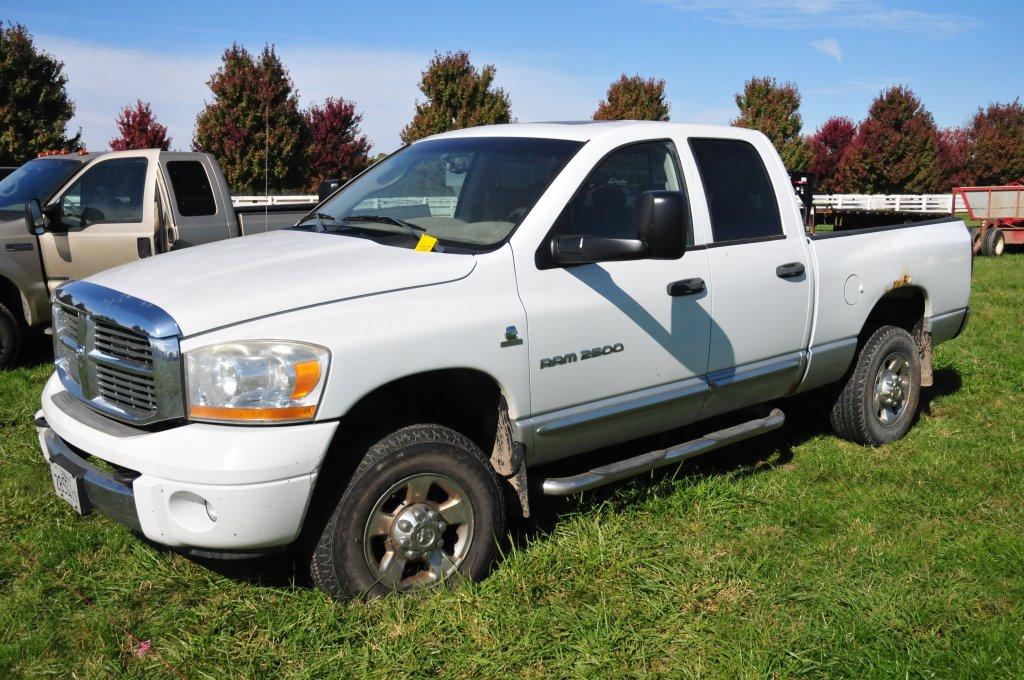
[(554, 58)]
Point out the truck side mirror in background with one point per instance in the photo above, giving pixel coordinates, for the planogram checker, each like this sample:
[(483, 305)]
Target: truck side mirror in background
[(327, 187), (660, 230), (35, 221)]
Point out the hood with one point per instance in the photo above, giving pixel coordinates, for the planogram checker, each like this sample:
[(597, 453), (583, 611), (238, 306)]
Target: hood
[(244, 278)]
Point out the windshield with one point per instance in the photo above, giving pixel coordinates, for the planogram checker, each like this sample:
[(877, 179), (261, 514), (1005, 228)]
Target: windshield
[(36, 179), (472, 191)]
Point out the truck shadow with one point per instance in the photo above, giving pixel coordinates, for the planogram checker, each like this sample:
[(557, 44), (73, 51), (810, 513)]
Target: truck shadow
[(805, 420)]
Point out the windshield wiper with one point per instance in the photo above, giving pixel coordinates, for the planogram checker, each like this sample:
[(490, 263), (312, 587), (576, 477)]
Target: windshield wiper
[(318, 221), (414, 229)]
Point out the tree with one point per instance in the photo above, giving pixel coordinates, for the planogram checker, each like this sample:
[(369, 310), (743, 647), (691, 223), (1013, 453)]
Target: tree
[(337, 147), (34, 104), (996, 144), (774, 109), (458, 96), (255, 108), (896, 149), (634, 98), (139, 129), (828, 145), (954, 158)]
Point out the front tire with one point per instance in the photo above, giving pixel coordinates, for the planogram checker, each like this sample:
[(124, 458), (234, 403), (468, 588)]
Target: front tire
[(10, 337), (424, 507), (879, 399), (995, 242)]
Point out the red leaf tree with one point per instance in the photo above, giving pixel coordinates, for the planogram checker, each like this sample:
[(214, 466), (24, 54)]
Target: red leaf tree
[(634, 98), (828, 146), (337, 147), (996, 144), (139, 129), (896, 149), (955, 157)]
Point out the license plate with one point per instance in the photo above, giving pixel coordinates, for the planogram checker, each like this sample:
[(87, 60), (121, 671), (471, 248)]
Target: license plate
[(67, 486)]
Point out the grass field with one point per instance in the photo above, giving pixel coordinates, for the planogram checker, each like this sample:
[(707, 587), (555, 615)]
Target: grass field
[(796, 555)]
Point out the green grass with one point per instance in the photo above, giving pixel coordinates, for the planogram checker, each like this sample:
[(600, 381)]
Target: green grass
[(796, 555)]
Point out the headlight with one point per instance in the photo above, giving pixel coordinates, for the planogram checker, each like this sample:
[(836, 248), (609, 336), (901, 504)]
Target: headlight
[(266, 381)]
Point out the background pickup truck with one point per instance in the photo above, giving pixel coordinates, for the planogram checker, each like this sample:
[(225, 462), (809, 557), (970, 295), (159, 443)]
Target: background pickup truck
[(106, 209), (378, 385)]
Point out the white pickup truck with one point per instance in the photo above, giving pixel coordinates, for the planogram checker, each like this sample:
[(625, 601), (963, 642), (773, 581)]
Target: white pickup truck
[(376, 385)]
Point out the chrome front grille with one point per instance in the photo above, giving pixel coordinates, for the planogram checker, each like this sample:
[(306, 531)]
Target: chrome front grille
[(117, 353)]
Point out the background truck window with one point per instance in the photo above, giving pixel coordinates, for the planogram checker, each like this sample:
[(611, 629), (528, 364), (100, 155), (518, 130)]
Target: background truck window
[(741, 198), (110, 191), (192, 190)]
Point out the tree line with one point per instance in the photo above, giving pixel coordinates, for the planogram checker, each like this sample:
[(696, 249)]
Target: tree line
[(253, 124)]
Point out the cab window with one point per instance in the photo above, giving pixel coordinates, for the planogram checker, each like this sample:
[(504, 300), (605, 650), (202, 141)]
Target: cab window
[(109, 192), (740, 195), (606, 204)]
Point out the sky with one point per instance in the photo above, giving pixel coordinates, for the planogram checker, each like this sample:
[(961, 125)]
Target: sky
[(555, 59)]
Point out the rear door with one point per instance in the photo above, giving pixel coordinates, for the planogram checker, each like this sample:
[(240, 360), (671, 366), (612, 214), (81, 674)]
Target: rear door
[(761, 295), (107, 218), (199, 202)]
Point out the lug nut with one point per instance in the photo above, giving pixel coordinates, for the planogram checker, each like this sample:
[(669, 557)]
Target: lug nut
[(411, 554), (441, 526), (432, 515), (440, 543), (405, 525), (403, 542), (418, 515)]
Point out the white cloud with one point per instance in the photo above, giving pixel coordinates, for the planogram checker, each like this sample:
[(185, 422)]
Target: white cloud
[(873, 15), (384, 85), (829, 47)]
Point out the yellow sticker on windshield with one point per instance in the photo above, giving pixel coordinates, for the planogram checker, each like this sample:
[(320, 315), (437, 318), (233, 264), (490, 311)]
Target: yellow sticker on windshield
[(426, 243)]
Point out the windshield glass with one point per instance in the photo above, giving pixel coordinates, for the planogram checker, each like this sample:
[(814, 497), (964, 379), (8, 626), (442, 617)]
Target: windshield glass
[(36, 179), (473, 191)]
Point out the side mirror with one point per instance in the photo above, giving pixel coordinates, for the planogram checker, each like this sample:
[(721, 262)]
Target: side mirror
[(35, 221), (660, 230), (327, 187)]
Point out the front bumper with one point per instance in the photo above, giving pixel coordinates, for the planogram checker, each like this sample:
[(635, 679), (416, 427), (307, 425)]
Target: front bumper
[(208, 487)]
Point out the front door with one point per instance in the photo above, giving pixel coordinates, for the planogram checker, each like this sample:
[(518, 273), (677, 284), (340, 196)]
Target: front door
[(614, 355), (106, 219)]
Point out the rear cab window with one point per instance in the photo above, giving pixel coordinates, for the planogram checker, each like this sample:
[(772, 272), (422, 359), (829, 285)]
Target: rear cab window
[(740, 195), (193, 192)]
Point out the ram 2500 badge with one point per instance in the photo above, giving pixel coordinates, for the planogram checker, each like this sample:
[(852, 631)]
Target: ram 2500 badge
[(376, 385)]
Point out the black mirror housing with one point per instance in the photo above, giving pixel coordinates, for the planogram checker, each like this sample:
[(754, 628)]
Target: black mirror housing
[(327, 187), (35, 220), (661, 223), (583, 249)]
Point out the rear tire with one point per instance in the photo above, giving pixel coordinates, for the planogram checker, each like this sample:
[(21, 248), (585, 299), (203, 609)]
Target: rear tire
[(995, 242), (10, 337), (879, 399), (424, 507)]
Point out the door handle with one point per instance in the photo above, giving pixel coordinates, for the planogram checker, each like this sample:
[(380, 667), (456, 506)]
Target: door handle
[(686, 287), (789, 270)]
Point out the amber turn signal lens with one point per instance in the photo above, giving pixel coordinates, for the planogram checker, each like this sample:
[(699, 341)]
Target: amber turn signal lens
[(307, 375), (250, 414)]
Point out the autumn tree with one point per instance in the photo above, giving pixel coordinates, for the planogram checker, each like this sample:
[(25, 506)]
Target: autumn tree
[(255, 108), (954, 156), (337, 147), (139, 129), (634, 98), (457, 96), (896, 149), (995, 141), (34, 104), (774, 109), (828, 145)]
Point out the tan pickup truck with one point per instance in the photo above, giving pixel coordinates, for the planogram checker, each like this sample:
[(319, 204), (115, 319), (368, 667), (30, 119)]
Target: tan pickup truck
[(94, 211)]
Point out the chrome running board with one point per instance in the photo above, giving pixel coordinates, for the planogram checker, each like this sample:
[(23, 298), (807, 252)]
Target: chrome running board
[(606, 474)]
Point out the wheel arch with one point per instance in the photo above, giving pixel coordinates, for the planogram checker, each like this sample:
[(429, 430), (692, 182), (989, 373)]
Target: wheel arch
[(904, 306), (12, 298)]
